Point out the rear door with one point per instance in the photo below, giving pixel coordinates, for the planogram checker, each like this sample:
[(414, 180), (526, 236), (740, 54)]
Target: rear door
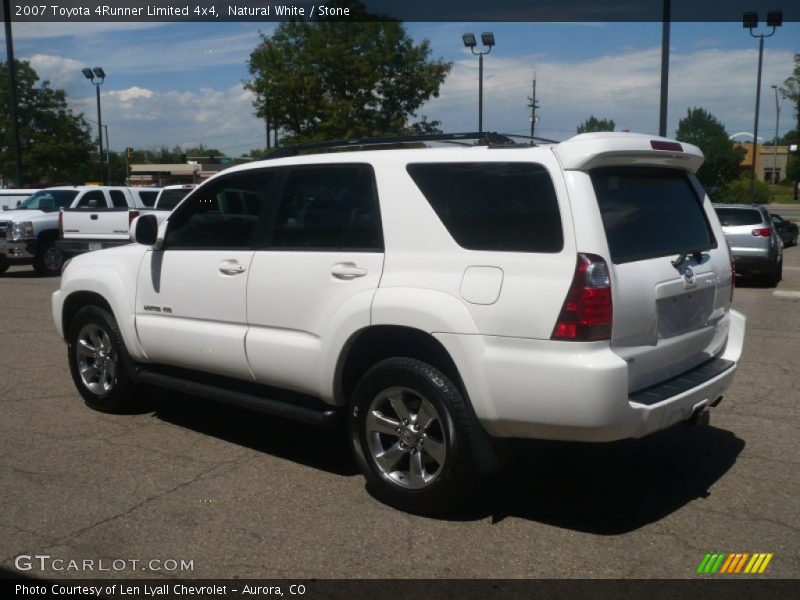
[(671, 275), (319, 268)]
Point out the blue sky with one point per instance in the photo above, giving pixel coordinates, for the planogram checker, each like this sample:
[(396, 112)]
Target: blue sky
[(181, 83)]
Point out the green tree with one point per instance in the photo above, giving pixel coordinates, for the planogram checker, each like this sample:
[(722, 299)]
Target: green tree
[(791, 88), (56, 143), (793, 173), (593, 124), (324, 79), (738, 190), (722, 159)]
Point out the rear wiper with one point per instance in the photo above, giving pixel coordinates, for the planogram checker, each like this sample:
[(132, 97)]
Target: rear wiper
[(697, 255)]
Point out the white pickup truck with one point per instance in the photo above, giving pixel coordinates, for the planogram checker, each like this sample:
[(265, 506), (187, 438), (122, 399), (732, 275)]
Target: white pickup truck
[(100, 218)]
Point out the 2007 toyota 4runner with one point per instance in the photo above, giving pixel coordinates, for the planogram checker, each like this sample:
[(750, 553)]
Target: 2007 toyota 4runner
[(439, 299)]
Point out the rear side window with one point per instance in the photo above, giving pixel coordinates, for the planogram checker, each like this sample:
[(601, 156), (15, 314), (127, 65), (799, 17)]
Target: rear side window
[(169, 199), (118, 199), (148, 198), (500, 206), (329, 207), (731, 217), (650, 212)]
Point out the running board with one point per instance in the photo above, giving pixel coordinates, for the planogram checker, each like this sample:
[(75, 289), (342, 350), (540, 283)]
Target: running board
[(324, 415)]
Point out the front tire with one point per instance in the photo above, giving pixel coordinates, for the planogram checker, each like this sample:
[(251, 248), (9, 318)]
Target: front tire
[(414, 437), (48, 259), (99, 361)]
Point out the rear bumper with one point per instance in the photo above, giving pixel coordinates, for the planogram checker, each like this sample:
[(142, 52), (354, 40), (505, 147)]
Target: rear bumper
[(563, 391), (75, 247), (756, 261)]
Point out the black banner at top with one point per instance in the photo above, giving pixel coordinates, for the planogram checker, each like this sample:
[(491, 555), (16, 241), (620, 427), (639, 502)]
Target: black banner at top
[(404, 10)]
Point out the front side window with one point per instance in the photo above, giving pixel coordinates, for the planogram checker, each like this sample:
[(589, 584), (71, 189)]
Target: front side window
[(496, 206), (329, 207), (97, 196), (223, 213)]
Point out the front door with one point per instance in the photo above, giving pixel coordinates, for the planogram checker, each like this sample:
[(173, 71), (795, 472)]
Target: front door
[(191, 302)]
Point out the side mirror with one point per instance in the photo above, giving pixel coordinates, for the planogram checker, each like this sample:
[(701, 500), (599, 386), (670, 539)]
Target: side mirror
[(144, 230), (19, 203)]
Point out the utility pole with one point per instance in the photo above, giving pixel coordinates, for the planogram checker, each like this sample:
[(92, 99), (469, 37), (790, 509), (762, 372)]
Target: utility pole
[(12, 96), (533, 104)]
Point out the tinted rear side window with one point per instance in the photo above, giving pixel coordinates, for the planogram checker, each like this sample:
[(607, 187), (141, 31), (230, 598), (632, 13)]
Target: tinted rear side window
[(169, 199), (148, 198), (493, 206), (731, 217), (650, 212)]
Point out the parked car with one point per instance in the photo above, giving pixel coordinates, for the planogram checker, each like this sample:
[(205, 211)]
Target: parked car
[(29, 231), (757, 249), (437, 300), (100, 218), (787, 230)]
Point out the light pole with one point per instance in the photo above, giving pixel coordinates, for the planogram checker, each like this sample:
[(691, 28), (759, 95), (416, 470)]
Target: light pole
[(487, 39), (775, 146), (750, 21), (97, 76)]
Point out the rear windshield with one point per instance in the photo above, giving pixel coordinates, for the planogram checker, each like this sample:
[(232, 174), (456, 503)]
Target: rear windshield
[(650, 212), (169, 199), (731, 217), (499, 206)]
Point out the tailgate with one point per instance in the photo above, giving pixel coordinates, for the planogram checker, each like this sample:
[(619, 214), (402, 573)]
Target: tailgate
[(671, 272), (95, 224)]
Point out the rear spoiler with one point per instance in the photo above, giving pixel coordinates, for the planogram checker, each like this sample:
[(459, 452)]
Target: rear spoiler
[(607, 149)]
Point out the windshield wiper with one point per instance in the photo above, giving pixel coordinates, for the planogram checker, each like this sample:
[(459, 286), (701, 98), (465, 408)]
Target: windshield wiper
[(697, 255)]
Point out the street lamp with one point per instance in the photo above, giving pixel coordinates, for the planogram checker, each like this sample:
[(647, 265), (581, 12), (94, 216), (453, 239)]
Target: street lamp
[(775, 146), (487, 39), (97, 76), (750, 21)]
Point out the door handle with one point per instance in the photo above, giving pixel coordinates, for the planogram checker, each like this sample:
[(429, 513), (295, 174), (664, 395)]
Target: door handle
[(93, 217), (347, 271), (231, 267)]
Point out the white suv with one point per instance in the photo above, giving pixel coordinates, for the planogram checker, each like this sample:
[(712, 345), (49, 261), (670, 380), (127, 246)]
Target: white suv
[(438, 299)]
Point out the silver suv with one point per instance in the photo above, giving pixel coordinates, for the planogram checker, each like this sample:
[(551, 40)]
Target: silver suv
[(755, 245)]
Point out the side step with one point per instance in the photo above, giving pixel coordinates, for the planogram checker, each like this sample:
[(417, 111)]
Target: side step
[(323, 415)]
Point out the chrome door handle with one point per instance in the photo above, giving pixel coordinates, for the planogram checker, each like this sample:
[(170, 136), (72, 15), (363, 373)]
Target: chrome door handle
[(231, 267), (347, 271)]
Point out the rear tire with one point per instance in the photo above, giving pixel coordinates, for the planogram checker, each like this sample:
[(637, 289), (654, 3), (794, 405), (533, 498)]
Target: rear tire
[(98, 361), (414, 437), (775, 275), (48, 259), (4, 264)]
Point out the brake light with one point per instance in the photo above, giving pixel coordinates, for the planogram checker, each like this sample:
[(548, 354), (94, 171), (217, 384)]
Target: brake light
[(61, 224), (662, 145), (762, 232), (132, 214), (587, 312)]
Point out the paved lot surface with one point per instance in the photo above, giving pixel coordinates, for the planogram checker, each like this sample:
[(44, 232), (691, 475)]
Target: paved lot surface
[(241, 494)]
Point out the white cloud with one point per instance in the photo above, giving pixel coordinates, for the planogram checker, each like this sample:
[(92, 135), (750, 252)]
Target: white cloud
[(130, 94), (624, 87), (58, 70)]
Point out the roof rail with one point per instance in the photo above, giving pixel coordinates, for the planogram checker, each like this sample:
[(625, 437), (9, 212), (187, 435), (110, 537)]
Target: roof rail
[(488, 138)]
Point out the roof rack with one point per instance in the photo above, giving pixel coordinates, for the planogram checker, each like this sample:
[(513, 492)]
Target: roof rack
[(488, 138)]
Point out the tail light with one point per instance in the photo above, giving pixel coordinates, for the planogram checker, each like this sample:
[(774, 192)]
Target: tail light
[(132, 214), (762, 232), (61, 224), (733, 269), (587, 311)]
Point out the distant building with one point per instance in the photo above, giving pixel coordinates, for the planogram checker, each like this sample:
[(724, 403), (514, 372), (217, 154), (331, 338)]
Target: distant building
[(770, 161), (172, 173)]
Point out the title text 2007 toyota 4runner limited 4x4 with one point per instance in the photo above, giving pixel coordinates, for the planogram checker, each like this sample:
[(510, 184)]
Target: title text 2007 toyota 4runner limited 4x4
[(440, 299)]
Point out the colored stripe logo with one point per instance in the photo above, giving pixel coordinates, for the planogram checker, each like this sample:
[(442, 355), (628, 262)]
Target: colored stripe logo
[(734, 563)]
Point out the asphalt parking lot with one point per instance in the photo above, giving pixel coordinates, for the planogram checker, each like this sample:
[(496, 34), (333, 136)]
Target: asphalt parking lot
[(245, 495)]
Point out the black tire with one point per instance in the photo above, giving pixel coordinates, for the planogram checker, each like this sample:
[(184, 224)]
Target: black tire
[(48, 259), (4, 264), (775, 275), (456, 427), (112, 392)]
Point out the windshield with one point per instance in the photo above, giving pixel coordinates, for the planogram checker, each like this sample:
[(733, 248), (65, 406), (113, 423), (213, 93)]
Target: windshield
[(49, 200)]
